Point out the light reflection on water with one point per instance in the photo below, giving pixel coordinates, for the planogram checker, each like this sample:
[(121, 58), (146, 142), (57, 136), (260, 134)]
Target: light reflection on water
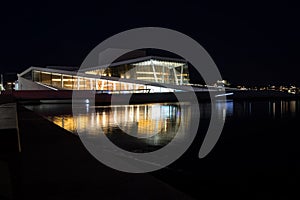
[(150, 124), (155, 124), (265, 109), (147, 119)]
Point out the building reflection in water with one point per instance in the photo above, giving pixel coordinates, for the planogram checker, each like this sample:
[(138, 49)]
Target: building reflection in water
[(147, 120), (148, 127), (142, 121), (156, 123), (151, 124)]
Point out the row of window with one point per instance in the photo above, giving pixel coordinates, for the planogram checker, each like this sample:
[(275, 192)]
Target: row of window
[(62, 81)]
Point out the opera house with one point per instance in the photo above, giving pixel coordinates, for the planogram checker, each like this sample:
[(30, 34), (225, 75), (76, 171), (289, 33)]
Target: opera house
[(148, 74)]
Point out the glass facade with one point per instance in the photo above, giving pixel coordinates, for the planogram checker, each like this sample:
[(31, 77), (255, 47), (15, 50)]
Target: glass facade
[(46, 78), (69, 82), (152, 70), (142, 75)]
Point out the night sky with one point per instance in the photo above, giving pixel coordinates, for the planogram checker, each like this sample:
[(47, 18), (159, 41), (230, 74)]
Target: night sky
[(251, 43)]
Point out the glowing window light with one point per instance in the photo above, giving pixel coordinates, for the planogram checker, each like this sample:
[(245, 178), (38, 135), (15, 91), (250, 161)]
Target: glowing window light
[(144, 72), (160, 73), (67, 79), (148, 78), (46, 73), (56, 74), (56, 79)]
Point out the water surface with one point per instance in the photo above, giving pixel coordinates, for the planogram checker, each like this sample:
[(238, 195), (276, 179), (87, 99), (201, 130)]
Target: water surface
[(257, 153)]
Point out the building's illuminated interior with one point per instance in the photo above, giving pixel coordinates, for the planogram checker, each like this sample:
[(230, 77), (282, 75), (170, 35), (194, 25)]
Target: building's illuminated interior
[(143, 75), (152, 70)]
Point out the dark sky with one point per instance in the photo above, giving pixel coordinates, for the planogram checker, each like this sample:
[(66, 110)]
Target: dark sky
[(251, 43)]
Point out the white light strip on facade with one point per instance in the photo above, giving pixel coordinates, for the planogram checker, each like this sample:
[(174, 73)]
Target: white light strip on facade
[(45, 72), (55, 74), (159, 63), (66, 79), (160, 73), (144, 72), (52, 88), (220, 95)]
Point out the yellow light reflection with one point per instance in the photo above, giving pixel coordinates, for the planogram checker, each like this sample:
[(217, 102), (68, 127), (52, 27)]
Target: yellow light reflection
[(142, 119)]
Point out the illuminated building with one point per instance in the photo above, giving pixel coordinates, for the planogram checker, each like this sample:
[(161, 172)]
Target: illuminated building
[(146, 74)]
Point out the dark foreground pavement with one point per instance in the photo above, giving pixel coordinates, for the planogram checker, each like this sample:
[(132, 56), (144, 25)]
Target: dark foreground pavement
[(54, 164)]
